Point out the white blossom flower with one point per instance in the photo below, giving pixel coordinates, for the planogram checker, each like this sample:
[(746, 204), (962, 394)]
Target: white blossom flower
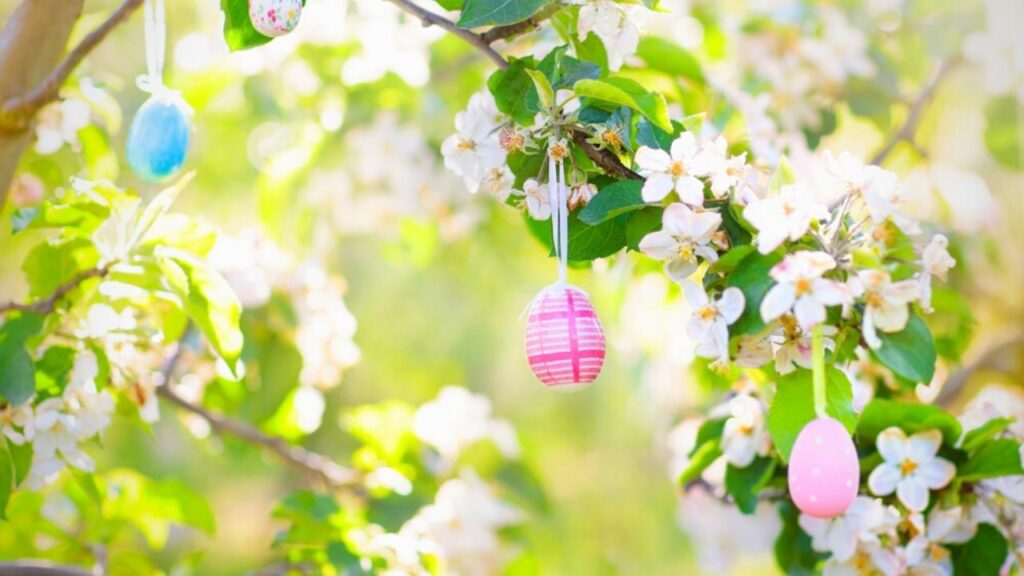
[(498, 182), (997, 49), (326, 327), (910, 467), (723, 536), (786, 215), (676, 170), (474, 148), (935, 261), (456, 419), (684, 236), (464, 521), (745, 435), (725, 172), (886, 303), (841, 50), (753, 352), (925, 553), (801, 288), (58, 124), (709, 323), (537, 199), (581, 194), (862, 523), (793, 345), (880, 189), (868, 559), (16, 423), (614, 24), (251, 263)]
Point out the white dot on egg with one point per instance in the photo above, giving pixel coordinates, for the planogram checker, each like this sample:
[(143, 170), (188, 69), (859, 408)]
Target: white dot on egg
[(816, 471), (849, 483), (814, 498), (819, 440)]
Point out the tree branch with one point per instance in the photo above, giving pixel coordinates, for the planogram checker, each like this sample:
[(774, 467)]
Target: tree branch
[(533, 22), (18, 111), (606, 160), (49, 304), (909, 127), (313, 464), (958, 380)]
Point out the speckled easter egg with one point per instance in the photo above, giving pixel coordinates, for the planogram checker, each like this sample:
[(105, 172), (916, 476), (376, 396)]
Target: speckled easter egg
[(274, 18), (158, 137), (824, 472), (564, 340)]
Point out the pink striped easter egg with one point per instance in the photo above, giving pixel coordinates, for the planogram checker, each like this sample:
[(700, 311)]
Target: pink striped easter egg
[(564, 339), (824, 472)]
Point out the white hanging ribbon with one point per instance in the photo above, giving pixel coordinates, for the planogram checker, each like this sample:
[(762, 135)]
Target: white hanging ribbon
[(558, 197), (156, 45)]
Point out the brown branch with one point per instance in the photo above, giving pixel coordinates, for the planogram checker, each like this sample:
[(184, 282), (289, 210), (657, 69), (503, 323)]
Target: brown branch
[(603, 158), (431, 19), (509, 30), (958, 380), (49, 304), (909, 128), (317, 466), (18, 111), (40, 568)]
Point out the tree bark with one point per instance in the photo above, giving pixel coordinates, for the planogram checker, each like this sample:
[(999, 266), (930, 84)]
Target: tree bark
[(31, 44)]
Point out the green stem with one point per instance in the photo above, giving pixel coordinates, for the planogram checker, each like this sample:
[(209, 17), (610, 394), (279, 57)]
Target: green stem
[(818, 368)]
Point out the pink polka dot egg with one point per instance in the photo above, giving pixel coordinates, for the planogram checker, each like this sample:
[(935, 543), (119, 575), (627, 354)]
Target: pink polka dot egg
[(564, 339), (824, 472), (274, 18)]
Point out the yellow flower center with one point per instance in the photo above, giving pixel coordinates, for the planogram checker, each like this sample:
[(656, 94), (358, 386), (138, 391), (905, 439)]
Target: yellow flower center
[(875, 300), (612, 138), (788, 209), (803, 286), (908, 466), (467, 144), (678, 168), (686, 251), (707, 313)]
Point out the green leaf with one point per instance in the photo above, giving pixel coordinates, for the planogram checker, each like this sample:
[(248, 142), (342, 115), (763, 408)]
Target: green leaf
[(793, 406), (613, 200), (702, 458), (1002, 131), (85, 216), (642, 223), (6, 478), (743, 484), (55, 262), (999, 457), (668, 57), (514, 90), (545, 92), (588, 242), (627, 92), (880, 414), (751, 277), (783, 175), (647, 134), (983, 555), (450, 4), (709, 431), (793, 551), (498, 12), (207, 298), (17, 373), (975, 438), (563, 70), (910, 353), (158, 207)]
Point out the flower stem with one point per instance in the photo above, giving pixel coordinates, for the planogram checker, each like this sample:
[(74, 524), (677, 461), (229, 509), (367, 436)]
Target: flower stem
[(818, 369)]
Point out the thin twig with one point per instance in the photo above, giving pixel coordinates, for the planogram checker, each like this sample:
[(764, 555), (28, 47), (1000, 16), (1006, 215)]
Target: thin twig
[(909, 127), (320, 467), (431, 19), (49, 304), (509, 30), (603, 158), (20, 109), (282, 568)]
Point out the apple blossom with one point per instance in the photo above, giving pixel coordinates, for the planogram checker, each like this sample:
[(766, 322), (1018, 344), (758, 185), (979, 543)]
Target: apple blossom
[(886, 303), (456, 419), (685, 235), (910, 467), (537, 199), (793, 345), (745, 435), (614, 24), (799, 287), (474, 148), (862, 523), (676, 170), (785, 215), (709, 323), (935, 261), (58, 124)]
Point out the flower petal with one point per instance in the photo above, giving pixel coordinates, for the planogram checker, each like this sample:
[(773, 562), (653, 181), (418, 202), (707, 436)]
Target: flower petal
[(680, 269), (913, 493), (923, 446), (809, 312), (730, 305), (936, 474), (659, 245), (690, 190), (650, 160), (883, 479), (696, 297), (892, 445), (777, 301), (656, 187)]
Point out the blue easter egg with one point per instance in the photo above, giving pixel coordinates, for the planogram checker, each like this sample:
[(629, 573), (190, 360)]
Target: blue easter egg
[(158, 138)]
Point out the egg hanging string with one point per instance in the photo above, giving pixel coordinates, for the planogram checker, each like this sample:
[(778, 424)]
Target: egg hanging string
[(156, 45), (818, 369)]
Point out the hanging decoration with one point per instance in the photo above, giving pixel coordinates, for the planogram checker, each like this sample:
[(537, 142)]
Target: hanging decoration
[(564, 339), (824, 470), (274, 18), (159, 135)]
